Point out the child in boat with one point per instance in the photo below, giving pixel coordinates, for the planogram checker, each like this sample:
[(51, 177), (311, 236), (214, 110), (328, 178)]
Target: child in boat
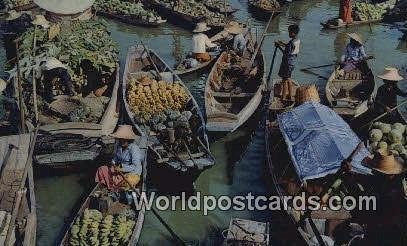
[(200, 42), (126, 166), (290, 53)]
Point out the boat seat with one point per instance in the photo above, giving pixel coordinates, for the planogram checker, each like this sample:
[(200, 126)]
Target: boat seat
[(231, 95)]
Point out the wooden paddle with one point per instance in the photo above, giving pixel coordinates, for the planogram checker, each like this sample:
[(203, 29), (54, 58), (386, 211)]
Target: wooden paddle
[(321, 66), (270, 87), (151, 60), (178, 240), (384, 114)]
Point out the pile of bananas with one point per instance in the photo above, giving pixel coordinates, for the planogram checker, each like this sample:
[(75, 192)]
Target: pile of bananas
[(94, 229), (363, 11), (197, 10), (148, 98), (16, 3), (131, 9), (266, 4)]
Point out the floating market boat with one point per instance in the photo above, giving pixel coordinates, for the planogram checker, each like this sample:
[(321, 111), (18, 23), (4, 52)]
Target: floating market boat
[(179, 158), (63, 144), (219, 6), (17, 204), (335, 25), (247, 232), (276, 105), (227, 105), (310, 160), (264, 11), (183, 19), (102, 204), (350, 93), (180, 70)]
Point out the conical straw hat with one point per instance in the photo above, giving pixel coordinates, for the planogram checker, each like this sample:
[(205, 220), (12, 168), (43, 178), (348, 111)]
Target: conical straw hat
[(386, 163), (12, 15), (234, 29), (201, 27), (124, 132), (357, 37), (391, 73), (41, 21)]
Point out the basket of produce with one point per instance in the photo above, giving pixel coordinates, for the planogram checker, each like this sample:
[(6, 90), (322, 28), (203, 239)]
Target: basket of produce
[(363, 11), (391, 137), (19, 5), (128, 12)]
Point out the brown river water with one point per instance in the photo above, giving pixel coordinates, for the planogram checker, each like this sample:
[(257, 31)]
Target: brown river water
[(58, 195)]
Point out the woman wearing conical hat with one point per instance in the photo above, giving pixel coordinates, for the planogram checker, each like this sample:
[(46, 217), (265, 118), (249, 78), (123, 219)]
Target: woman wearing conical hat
[(200, 42), (127, 160), (355, 55), (386, 97)]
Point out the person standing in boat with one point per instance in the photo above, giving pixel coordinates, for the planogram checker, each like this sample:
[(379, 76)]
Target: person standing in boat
[(345, 11), (51, 69), (386, 97), (290, 53), (127, 161), (200, 42)]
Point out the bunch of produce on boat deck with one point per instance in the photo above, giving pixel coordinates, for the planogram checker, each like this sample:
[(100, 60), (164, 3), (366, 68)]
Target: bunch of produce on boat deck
[(266, 4), (219, 4), (80, 41), (230, 76), (130, 9), (363, 11), (197, 10), (16, 3), (95, 229), (391, 137)]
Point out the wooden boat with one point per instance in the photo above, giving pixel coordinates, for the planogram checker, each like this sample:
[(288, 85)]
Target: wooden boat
[(228, 10), (202, 67), (228, 110), (183, 166), (132, 20), (99, 199), (17, 204), (331, 25), (247, 232), (276, 105), (261, 12), (287, 179), (350, 93), (83, 138), (181, 19)]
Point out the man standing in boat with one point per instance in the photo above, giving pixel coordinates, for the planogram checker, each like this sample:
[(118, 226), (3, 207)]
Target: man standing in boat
[(290, 53), (386, 98), (200, 42)]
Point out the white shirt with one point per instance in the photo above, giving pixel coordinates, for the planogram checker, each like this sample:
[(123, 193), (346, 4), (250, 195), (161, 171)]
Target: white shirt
[(199, 43), (296, 50)]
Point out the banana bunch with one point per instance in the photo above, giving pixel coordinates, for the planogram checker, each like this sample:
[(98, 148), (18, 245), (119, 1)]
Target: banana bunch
[(105, 228), (147, 100)]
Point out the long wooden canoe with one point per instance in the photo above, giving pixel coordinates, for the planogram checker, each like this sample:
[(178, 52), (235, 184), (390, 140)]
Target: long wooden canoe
[(131, 20), (228, 110), (17, 204), (80, 130), (229, 10), (261, 12), (182, 166), (89, 203), (202, 67), (350, 93), (329, 25)]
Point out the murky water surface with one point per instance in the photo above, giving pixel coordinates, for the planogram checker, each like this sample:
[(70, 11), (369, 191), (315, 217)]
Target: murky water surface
[(58, 195)]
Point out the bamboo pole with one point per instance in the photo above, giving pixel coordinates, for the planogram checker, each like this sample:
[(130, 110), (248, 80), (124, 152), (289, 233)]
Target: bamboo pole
[(34, 80), (20, 89)]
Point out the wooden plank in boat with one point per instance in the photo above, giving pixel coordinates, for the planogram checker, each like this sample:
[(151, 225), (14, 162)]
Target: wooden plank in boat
[(66, 157), (331, 214), (71, 125), (222, 115), (181, 156), (232, 95)]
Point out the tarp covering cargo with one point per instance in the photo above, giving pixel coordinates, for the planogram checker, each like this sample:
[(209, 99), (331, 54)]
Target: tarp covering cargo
[(318, 141)]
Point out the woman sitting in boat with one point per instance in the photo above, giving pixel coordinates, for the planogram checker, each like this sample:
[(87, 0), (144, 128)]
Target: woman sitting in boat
[(239, 41), (290, 53), (126, 165), (355, 56), (200, 42), (386, 97)]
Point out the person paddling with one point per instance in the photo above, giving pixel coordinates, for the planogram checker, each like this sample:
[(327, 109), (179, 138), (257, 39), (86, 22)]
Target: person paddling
[(355, 56), (386, 97), (200, 42), (290, 53)]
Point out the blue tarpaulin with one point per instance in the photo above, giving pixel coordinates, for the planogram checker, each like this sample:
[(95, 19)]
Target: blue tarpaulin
[(318, 140)]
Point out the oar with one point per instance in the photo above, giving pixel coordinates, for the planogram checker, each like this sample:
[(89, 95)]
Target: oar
[(313, 73), (321, 66), (165, 224), (384, 114), (271, 69)]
